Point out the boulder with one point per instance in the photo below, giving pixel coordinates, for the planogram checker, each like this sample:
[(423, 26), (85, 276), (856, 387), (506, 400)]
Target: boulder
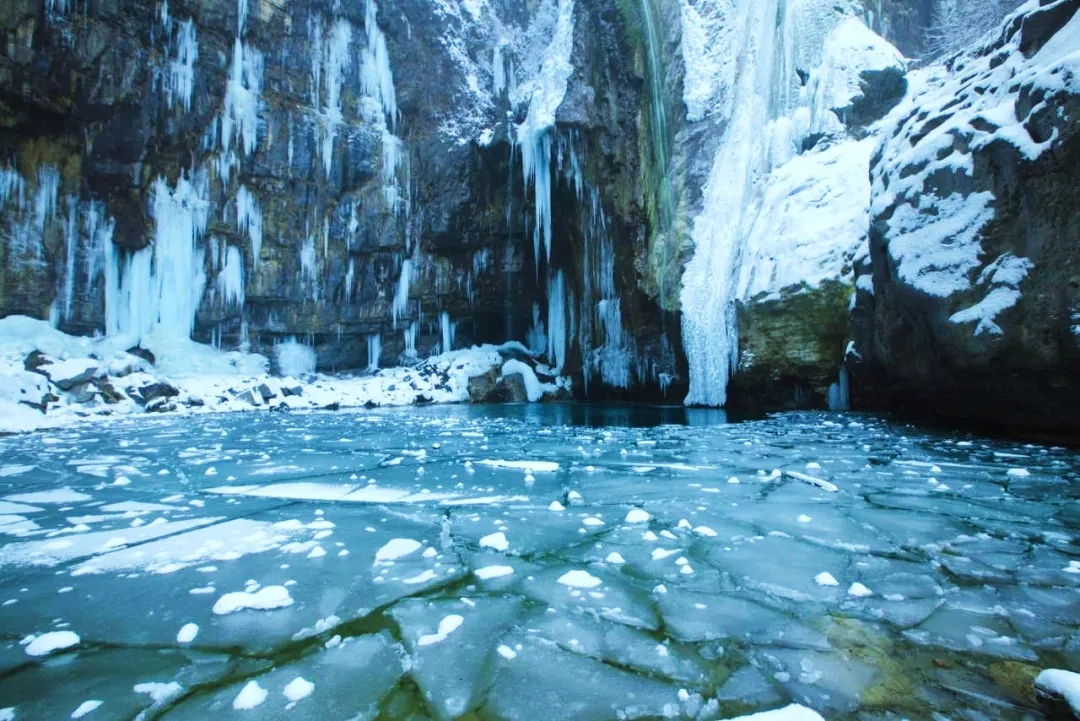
[(482, 388), (140, 352), (158, 389), (85, 393), (511, 389), (266, 392), (109, 393), (251, 396)]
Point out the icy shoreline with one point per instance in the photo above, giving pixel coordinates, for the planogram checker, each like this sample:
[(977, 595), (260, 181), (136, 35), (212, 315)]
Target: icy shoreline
[(49, 379)]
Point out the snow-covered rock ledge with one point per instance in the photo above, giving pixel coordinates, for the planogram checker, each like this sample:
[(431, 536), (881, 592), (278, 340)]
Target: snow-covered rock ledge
[(50, 379)]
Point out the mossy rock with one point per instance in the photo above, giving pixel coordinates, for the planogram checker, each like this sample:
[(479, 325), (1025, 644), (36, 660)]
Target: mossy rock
[(1016, 679)]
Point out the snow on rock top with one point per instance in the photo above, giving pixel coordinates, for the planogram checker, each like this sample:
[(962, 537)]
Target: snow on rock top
[(1063, 684)]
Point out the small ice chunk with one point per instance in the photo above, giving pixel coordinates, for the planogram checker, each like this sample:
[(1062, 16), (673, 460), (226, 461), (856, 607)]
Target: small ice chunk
[(1019, 472), (803, 518), (250, 696), (397, 548), (187, 633), (638, 515), (46, 643), (733, 480), (86, 707), (615, 557), (446, 627), (592, 521), (579, 579), (159, 692), (826, 579), (573, 497), (859, 591), (489, 572), (649, 536), (298, 689), (705, 531), (265, 599), (556, 506), (496, 541), (660, 554), (506, 652)]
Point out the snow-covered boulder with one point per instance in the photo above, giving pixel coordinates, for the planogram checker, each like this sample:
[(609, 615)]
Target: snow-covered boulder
[(970, 304), (70, 373)]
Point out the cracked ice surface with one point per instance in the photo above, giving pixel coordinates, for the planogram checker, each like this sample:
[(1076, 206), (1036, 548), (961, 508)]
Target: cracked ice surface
[(546, 562)]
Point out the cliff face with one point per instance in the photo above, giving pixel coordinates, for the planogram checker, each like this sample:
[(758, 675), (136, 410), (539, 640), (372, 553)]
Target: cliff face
[(969, 306), (349, 175)]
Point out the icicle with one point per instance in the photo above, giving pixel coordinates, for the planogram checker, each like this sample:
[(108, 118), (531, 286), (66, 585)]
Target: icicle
[(410, 339), (71, 248), (401, 294), (350, 279), (374, 351), (537, 337), (446, 329)]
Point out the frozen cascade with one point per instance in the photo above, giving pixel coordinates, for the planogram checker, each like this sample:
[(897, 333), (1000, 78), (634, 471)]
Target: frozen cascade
[(249, 220), (546, 93), (746, 83), (159, 288), (374, 351)]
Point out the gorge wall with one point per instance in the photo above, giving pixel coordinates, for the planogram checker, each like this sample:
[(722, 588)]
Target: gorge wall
[(664, 199)]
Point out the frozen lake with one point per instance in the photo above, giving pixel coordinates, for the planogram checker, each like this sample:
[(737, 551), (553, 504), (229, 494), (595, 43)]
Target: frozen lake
[(531, 562)]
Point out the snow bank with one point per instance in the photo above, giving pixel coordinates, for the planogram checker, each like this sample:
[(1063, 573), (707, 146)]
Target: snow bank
[(97, 378)]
